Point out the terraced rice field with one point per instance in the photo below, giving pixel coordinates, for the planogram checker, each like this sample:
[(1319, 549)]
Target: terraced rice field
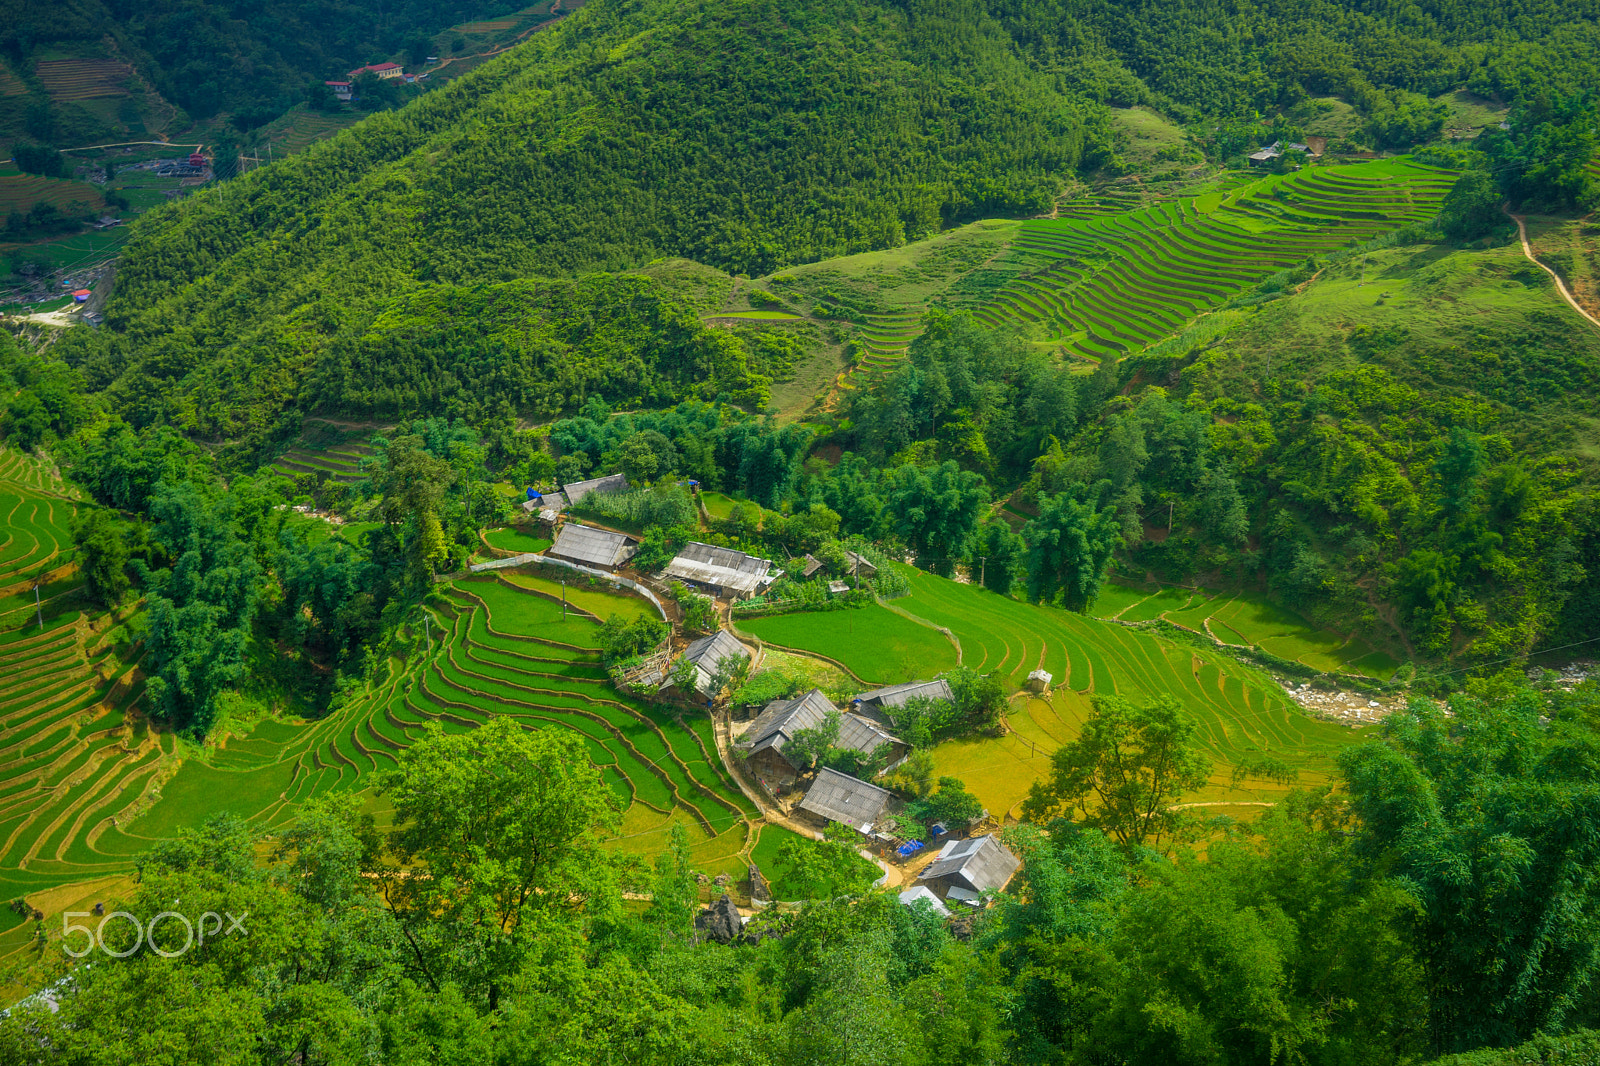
[(341, 462), (496, 649), (1250, 620), (19, 191), (71, 757), (83, 79), (1241, 711), (884, 339), (1119, 282)]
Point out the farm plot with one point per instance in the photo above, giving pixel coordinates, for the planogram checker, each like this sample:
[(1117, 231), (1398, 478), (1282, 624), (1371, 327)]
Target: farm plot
[(516, 540), (1241, 711), (878, 645), (340, 463), (490, 648), (83, 79), (71, 758), (1118, 282), (19, 192)]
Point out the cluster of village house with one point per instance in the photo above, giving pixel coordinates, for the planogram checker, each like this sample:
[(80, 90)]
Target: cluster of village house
[(345, 89), (964, 869)]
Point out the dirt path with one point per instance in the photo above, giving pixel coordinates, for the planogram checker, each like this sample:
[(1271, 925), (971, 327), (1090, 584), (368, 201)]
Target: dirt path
[(1527, 250), (498, 49)]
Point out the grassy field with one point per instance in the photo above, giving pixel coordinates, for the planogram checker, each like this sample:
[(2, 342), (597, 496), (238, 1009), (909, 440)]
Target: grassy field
[(876, 644), (1122, 280), (512, 539)]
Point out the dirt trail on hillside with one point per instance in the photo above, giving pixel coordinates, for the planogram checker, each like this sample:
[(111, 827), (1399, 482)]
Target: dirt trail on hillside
[(1527, 250)]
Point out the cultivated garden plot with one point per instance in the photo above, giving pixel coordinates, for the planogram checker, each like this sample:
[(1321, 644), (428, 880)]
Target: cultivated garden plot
[(1116, 283)]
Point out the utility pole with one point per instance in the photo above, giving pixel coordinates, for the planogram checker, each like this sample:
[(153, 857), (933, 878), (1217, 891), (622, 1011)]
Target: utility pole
[(983, 562), (427, 629), (563, 597), (38, 605)]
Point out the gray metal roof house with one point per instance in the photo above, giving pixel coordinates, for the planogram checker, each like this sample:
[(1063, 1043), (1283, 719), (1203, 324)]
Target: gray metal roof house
[(855, 564), (576, 491), (707, 654), (967, 867), (782, 719), (588, 546), (895, 696), (837, 797), (728, 572)]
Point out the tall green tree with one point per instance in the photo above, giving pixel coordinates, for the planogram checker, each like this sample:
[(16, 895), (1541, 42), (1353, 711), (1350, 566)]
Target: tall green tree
[(496, 846), (1069, 548), (1125, 771), (200, 607), (1490, 815)]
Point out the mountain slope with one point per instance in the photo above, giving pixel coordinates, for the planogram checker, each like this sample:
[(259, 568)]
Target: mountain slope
[(744, 135)]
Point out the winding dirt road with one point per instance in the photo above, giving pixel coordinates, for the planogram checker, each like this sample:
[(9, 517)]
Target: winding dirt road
[(1527, 250)]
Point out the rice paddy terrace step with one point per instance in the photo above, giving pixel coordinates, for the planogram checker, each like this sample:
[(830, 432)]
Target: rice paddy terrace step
[(1127, 277)]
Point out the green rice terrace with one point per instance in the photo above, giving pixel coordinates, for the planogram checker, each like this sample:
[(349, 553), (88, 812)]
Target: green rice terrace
[(1113, 283), (75, 758), (88, 786), (1242, 711)]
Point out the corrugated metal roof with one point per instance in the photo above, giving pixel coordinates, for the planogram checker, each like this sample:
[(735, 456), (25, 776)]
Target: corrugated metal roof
[(593, 547), (897, 695), (979, 863), (842, 798), (579, 489), (782, 719), (912, 896), (708, 653), (725, 568)]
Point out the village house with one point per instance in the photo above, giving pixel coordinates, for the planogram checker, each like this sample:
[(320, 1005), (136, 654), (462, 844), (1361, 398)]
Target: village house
[(588, 546), (965, 869), (709, 654), (576, 491), (918, 893), (383, 71), (856, 565), (726, 573), (894, 697), (1267, 155), (342, 90), (546, 505), (780, 720), (836, 797)]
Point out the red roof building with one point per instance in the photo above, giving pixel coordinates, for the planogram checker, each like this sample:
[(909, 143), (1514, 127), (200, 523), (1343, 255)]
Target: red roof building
[(80, 295), (382, 70), (197, 160)]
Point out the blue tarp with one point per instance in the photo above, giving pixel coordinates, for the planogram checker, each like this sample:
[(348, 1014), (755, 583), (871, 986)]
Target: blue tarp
[(909, 848)]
